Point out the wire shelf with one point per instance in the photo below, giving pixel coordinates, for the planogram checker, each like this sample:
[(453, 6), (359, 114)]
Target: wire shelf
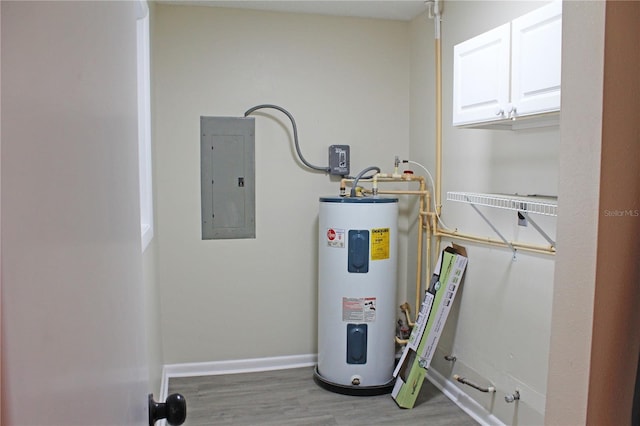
[(542, 205)]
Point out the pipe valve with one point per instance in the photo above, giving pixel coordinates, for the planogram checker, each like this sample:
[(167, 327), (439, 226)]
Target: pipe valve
[(513, 397)]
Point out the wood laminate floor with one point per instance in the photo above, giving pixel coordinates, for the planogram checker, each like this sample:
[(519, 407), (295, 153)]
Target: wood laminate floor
[(292, 398)]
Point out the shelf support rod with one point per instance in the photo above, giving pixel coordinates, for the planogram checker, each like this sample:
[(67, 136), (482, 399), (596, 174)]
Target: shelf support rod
[(504, 240), (540, 230)]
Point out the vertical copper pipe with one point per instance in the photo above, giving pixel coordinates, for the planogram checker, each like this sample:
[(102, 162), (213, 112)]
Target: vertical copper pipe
[(429, 233), (438, 188), (438, 182), (419, 257)]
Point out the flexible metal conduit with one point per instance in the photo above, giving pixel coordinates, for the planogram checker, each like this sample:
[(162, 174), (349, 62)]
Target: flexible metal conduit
[(295, 133)]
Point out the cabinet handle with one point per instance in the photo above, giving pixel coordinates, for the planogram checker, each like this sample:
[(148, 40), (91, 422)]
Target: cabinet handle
[(512, 112), (500, 113)]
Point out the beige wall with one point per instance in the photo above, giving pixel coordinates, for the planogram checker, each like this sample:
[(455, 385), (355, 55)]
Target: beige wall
[(500, 326), (238, 299)]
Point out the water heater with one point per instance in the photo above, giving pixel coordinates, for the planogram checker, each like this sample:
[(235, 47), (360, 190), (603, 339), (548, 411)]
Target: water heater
[(357, 275)]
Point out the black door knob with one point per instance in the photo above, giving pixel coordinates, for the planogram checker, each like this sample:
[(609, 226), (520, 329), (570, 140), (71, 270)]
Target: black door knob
[(174, 409)]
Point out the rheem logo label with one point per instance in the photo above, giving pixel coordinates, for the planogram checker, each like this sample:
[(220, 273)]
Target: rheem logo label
[(335, 237)]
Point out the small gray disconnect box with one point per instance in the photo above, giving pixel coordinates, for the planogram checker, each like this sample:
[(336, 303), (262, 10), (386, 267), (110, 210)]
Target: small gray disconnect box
[(227, 155), (339, 160)]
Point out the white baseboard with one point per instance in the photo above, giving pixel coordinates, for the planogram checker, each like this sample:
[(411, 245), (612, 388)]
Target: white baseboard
[(462, 400), (233, 367)]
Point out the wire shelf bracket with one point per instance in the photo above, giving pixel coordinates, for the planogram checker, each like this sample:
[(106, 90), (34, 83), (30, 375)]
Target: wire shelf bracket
[(524, 205)]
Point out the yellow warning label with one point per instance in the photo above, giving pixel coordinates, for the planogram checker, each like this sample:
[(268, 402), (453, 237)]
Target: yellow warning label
[(379, 243)]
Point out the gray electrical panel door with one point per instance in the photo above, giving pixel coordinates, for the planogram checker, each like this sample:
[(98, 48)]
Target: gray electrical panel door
[(227, 152)]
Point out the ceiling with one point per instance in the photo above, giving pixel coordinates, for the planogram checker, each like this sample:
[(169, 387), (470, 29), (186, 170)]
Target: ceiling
[(404, 10)]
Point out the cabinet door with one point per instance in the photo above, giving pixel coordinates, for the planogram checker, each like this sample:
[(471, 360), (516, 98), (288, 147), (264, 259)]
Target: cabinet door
[(536, 60), (481, 77)]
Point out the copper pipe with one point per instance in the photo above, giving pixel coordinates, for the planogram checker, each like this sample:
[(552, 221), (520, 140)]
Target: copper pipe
[(533, 248), (438, 182), (429, 232), (419, 257), (438, 123), (400, 191), (406, 308)]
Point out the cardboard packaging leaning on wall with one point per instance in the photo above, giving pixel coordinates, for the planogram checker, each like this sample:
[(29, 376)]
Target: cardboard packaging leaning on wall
[(416, 357)]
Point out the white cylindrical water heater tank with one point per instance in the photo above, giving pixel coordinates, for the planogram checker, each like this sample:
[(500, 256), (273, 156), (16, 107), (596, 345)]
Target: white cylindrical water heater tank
[(357, 275)]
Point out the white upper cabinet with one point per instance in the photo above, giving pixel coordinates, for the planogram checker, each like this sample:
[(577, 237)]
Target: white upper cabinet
[(509, 72), (481, 77), (535, 60)]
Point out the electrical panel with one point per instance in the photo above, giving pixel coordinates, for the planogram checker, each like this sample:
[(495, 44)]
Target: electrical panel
[(227, 154), (339, 160)]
